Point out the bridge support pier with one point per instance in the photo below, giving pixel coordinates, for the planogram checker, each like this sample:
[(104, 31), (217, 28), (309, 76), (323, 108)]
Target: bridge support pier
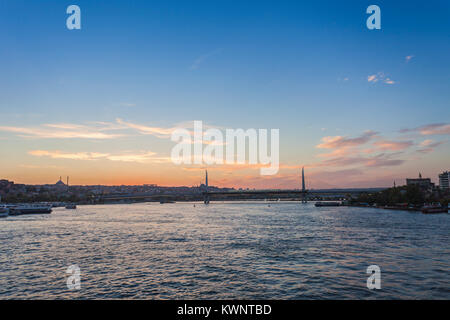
[(304, 200)]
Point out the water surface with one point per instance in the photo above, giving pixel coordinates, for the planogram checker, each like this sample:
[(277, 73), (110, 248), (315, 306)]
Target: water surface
[(231, 250)]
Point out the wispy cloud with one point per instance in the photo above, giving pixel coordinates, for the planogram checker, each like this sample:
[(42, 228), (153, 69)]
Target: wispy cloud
[(127, 104), (32, 166), (380, 160), (426, 143), (166, 132), (383, 160), (233, 167), (435, 129), (380, 76), (333, 142), (145, 157), (196, 64), (408, 58), (431, 129), (393, 145), (61, 131), (371, 150), (142, 157), (156, 131), (68, 155), (367, 150), (99, 130), (343, 79), (429, 145), (372, 78)]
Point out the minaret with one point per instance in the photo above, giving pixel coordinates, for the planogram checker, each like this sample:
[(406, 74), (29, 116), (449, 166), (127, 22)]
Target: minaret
[(205, 194), (67, 181)]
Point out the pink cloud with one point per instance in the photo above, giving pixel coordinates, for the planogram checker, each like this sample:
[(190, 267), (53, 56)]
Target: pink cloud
[(431, 129), (348, 151), (380, 76), (381, 160), (429, 145), (393, 145), (339, 141)]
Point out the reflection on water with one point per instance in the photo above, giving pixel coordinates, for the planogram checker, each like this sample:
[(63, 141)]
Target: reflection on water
[(225, 251)]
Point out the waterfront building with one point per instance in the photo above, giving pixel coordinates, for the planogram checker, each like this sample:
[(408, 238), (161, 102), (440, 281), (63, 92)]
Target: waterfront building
[(443, 180), (422, 183)]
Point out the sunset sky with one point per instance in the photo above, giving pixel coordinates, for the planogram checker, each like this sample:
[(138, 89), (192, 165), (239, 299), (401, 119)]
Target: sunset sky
[(356, 107)]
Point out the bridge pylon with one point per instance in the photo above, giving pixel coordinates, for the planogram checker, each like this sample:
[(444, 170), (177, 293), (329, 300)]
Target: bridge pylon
[(304, 200)]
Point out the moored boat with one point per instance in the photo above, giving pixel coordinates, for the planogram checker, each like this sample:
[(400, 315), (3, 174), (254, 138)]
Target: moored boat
[(29, 209), (434, 208), (327, 204), (4, 212)]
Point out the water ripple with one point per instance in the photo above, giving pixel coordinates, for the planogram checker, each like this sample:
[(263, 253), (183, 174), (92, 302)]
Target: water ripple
[(225, 251)]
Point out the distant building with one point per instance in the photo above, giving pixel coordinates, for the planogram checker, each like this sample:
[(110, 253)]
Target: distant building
[(60, 183), (4, 184), (422, 183), (443, 180)]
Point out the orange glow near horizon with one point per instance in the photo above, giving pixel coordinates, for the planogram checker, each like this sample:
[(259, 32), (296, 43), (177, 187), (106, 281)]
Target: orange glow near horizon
[(171, 176)]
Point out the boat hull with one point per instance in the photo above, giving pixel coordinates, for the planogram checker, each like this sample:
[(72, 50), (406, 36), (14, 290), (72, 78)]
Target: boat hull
[(434, 210), (20, 211), (327, 204)]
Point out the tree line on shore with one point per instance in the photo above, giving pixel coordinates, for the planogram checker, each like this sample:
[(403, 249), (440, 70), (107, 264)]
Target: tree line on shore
[(412, 195)]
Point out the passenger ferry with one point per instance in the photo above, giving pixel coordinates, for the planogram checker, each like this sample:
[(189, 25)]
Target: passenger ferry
[(29, 208)]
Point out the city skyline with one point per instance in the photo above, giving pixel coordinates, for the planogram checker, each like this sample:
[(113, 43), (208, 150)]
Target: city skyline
[(440, 182), (356, 107)]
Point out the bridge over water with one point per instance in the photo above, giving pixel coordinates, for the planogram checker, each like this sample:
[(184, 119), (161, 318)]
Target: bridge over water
[(207, 195), (303, 194)]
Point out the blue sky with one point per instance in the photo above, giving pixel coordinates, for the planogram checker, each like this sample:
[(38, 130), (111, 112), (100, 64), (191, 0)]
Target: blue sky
[(302, 67)]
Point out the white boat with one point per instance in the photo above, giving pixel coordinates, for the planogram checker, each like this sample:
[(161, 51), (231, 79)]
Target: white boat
[(29, 208)]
